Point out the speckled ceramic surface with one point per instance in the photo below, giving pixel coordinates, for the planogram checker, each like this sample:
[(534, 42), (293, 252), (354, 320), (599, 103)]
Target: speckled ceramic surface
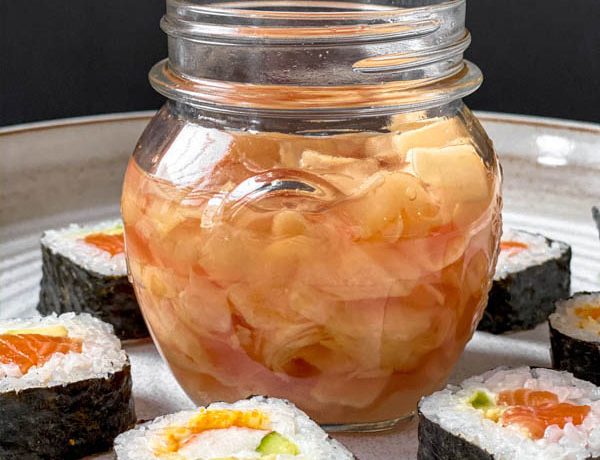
[(55, 173)]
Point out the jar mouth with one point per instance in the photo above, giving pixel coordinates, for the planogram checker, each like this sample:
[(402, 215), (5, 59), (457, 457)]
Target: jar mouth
[(311, 22), (301, 55), (322, 9)]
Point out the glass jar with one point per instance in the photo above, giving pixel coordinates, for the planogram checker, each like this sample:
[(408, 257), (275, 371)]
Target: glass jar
[(315, 213)]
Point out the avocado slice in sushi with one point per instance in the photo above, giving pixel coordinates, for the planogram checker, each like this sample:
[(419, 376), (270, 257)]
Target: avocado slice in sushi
[(481, 400)]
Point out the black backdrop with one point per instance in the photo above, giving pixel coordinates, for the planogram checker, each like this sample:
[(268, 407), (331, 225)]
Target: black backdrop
[(63, 58)]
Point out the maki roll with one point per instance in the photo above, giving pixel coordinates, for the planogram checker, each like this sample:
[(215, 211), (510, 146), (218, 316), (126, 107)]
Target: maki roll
[(253, 428), (84, 271), (512, 414), (575, 336), (65, 387), (532, 273)]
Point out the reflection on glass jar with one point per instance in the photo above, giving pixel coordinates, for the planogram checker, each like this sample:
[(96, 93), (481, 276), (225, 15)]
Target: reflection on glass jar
[(329, 240)]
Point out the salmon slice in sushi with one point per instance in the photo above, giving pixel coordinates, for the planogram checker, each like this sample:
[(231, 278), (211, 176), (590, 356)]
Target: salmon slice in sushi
[(575, 336), (532, 273), (254, 428), (84, 271), (65, 387), (507, 414), (28, 349)]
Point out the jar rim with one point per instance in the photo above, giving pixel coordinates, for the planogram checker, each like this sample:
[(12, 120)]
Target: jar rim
[(232, 21), (324, 9)]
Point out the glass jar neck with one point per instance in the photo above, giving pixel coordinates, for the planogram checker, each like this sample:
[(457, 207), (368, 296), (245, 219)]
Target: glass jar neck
[(316, 126), (316, 56)]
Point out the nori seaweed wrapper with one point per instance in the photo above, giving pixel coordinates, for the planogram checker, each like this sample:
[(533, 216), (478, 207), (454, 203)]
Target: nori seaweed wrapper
[(596, 215), (66, 421), (526, 298), (579, 357), (435, 443), (68, 287)]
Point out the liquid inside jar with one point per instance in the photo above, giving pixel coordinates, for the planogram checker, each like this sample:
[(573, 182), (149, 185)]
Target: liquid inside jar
[(344, 272)]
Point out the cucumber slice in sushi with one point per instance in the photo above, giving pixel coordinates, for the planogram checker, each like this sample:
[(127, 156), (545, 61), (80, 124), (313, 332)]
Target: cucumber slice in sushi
[(274, 443)]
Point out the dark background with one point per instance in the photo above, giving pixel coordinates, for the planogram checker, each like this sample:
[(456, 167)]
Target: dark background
[(64, 58)]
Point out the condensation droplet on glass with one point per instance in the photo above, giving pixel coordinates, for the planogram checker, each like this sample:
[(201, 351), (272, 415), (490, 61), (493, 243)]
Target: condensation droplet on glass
[(411, 193)]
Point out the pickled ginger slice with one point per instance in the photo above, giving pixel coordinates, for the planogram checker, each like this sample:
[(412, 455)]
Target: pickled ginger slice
[(344, 173), (457, 172), (436, 135), (392, 205)]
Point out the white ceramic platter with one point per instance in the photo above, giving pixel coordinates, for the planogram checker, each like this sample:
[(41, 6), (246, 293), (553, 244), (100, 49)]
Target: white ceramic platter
[(54, 173)]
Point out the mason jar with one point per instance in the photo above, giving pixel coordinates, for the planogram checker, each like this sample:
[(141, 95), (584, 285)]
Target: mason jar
[(314, 214)]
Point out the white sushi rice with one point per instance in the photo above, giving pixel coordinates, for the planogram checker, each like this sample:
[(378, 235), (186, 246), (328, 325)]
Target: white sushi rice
[(284, 417), (101, 353), (566, 321), (538, 252), (69, 243), (450, 409)]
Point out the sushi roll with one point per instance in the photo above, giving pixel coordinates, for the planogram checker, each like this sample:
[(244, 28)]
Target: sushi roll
[(532, 273), (575, 336), (65, 387), (506, 414), (84, 271), (253, 428)]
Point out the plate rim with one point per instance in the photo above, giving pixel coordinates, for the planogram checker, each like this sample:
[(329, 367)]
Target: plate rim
[(532, 121), (76, 121)]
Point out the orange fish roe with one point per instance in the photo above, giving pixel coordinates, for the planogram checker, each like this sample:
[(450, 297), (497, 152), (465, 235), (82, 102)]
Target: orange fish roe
[(588, 311), (513, 247), (526, 397), (173, 438), (28, 350), (112, 243), (535, 411)]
